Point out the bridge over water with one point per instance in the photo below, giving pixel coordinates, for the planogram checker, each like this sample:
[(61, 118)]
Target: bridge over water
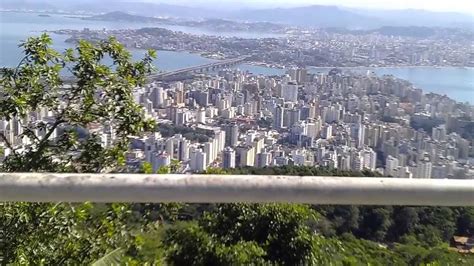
[(198, 69), (183, 71)]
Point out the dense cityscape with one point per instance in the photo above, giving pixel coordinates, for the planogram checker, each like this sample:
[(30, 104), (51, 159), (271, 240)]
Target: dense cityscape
[(335, 120), (329, 119)]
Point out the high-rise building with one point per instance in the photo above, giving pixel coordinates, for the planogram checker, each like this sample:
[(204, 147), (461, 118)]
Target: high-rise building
[(326, 132), (201, 116), (344, 162), (245, 156), (333, 114), (264, 159), (301, 75), (248, 109), (160, 160), (220, 136), (358, 134), (228, 160), (231, 135), (258, 144), (280, 161), (209, 151), (198, 160), (391, 166), (293, 116), (439, 133), (239, 99), (292, 73), (299, 157), (423, 169), (357, 162), (278, 117), (183, 150), (182, 117), (289, 92), (369, 159), (158, 96), (313, 129), (170, 146), (179, 94)]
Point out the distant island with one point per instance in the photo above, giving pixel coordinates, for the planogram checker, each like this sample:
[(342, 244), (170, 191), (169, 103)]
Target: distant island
[(44, 15), (211, 24), (122, 16)]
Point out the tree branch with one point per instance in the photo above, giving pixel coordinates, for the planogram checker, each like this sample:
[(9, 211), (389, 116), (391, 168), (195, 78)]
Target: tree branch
[(19, 65), (59, 121), (9, 145)]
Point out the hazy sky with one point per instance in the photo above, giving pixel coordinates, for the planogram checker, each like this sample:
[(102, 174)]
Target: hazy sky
[(464, 6)]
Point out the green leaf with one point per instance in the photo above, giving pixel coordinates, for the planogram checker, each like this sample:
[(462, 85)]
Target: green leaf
[(113, 258)]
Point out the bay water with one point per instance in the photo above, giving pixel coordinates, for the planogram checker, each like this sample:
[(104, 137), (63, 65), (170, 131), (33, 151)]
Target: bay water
[(457, 83)]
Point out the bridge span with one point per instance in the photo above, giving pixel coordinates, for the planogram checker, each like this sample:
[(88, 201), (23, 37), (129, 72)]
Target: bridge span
[(198, 69)]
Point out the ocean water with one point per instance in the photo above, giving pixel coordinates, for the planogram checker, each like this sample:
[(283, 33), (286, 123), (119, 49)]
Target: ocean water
[(16, 27), (457, 83)]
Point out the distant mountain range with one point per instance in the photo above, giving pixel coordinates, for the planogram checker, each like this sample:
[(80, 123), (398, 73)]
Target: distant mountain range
[(413, 17), (333, 16), (313, 16)]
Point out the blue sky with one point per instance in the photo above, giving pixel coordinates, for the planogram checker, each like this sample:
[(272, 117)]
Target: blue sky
[(464, 6)]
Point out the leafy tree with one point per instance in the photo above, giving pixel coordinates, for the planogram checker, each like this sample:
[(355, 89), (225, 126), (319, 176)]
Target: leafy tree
[(163, 170), (440, 219), (246, 233), (363, 252), (146, 168), (94, 94), (174, 166), (465, 222), (113, 258), (405, 221), (62, 234), (281, 229), (374, 223), (190, 244), (345, 219)]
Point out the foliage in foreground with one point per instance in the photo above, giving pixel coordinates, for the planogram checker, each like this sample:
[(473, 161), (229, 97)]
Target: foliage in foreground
[(94, 93)]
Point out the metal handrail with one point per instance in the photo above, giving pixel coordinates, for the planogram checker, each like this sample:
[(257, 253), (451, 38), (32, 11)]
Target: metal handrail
[(44, 187)]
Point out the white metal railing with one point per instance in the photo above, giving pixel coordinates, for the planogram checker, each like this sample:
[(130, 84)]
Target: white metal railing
[(41, 187)]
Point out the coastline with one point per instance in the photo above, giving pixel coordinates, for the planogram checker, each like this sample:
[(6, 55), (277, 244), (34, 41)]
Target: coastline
[(391, 67), (49, 12)]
